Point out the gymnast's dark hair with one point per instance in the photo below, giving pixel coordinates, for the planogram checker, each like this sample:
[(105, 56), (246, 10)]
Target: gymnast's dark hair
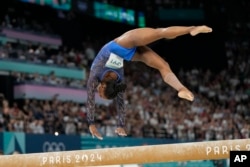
[(113, 88)]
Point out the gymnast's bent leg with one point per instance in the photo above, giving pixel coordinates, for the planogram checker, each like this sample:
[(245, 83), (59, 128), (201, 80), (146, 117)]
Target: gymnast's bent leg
[(149, 57)]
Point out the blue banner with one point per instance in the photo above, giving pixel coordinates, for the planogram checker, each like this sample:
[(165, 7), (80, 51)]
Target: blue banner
[(114, 13), (11, 142), (48, 143), (92, 143), (43, 69)]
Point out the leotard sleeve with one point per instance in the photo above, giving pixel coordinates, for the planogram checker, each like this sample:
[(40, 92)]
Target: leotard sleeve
[(120, 109), (91, 87)]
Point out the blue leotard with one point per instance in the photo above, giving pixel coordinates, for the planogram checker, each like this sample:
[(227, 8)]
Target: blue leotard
[(109, 58)]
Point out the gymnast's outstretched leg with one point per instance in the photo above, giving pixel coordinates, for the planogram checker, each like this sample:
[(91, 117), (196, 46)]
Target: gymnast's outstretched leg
[(145, 36)]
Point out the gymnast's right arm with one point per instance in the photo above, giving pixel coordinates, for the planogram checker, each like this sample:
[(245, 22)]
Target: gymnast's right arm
[(91, 86)]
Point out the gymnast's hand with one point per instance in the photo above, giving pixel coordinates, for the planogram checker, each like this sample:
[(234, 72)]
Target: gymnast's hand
[(93, 130), (120, 131)]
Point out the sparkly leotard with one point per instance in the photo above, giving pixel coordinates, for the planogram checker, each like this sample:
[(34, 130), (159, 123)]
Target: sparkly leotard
[(109, 58)]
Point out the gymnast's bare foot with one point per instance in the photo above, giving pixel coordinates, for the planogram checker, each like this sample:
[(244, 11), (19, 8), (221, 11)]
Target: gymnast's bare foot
[(200, 29), (184, 93)]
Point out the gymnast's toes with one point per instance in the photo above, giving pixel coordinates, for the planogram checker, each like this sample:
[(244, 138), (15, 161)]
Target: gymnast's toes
[(186, 94)]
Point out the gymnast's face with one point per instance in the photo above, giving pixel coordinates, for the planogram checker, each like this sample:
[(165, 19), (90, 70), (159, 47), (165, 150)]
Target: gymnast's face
[(101, 88)]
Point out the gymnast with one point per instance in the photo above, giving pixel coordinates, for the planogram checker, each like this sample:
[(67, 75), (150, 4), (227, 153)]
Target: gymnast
[(107, 73)]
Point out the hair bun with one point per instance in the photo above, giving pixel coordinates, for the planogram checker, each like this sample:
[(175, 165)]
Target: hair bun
[(121, 87), (113, 88)]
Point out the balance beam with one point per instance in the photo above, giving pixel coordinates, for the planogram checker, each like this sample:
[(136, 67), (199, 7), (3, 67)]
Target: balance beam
[(207, 150)]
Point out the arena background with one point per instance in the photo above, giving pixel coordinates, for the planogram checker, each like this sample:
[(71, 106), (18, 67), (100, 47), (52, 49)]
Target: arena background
[(78, 23)]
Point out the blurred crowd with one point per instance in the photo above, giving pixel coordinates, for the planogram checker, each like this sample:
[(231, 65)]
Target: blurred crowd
[(40, 55), (221, 109)]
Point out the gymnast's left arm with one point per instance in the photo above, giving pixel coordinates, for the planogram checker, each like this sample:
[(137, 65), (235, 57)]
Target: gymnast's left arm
[(121, 114), (91, 86)]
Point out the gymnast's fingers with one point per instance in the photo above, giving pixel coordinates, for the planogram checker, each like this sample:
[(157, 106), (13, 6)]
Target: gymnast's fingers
[(98, 136), (95, 132), (120, 132)]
